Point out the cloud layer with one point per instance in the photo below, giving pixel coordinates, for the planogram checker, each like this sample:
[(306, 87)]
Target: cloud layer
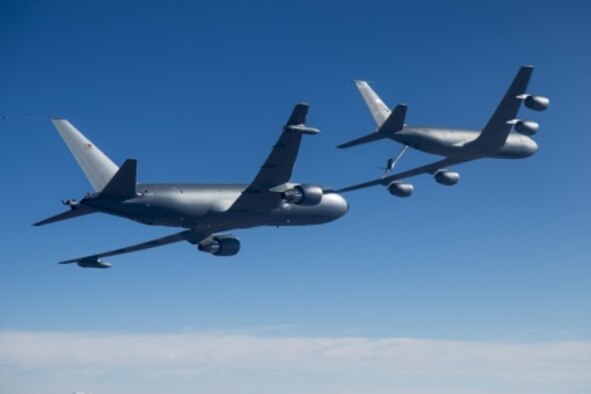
[(52, 363)]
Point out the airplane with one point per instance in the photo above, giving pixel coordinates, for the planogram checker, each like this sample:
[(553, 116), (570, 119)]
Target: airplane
[(204, 211), (495, 140)]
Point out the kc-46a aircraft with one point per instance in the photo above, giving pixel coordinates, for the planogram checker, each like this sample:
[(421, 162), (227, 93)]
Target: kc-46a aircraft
[(204, 211), (457, 146)]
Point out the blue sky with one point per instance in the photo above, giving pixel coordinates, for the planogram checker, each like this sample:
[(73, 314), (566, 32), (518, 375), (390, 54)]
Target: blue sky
[(198, 92)]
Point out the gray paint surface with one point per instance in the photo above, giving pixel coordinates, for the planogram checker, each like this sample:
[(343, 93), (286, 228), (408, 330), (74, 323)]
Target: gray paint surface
[(201, 210), (495, 140)]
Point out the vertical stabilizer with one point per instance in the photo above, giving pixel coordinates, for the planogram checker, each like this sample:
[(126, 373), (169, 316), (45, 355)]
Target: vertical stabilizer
[(378, 109), (97, 167)]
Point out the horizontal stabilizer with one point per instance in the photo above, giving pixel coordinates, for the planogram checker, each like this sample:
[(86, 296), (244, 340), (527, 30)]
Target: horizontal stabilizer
[(363, 140), (393, 123), (123, 183), (80, 210)]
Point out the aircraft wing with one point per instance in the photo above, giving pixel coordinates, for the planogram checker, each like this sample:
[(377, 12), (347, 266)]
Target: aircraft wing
[(93, 260), (496, 131), (429, 169), (278, 167)]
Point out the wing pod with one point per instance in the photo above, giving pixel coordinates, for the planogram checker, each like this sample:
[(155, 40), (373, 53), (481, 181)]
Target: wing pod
[(90, 262), (220, 245), (303, 195), (400, 189), (537, 103), (445, 177), (526, 127)]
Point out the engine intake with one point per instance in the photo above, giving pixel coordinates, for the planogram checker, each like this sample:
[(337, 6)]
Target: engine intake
[(445, 177), (303, 195), (400, 189), (537, 103), (527, 127), (220, 245)]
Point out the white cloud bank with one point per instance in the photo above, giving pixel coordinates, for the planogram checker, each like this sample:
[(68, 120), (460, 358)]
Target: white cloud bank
[(56, 363)]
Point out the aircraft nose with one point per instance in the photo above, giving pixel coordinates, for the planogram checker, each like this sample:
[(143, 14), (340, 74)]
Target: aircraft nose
[(337, 205)]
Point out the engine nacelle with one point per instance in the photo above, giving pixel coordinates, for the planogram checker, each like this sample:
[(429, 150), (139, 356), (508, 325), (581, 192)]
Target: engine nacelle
[(400, 189), (537, 103), (220, 245), (526, 127), (303, 195), (445, 177)]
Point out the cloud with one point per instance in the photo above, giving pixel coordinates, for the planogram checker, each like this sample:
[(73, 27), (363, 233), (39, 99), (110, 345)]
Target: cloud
[(227, 363)]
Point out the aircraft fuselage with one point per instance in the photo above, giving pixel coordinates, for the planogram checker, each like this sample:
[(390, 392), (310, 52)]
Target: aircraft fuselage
[(456, 143), (209, 207)]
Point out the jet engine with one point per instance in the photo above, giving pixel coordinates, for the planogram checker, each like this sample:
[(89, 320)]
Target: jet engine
[(526, 127), (220, 245), (303, 195), (400, 189), (445, 177), (537, 103)]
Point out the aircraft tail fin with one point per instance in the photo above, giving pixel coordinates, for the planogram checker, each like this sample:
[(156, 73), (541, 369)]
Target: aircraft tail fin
[(123, 184), (393, 123), (378, 109), (97, 167)]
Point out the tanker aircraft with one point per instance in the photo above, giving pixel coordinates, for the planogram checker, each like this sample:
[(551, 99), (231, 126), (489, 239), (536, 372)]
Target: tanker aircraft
[(495, 140), (204, 211)]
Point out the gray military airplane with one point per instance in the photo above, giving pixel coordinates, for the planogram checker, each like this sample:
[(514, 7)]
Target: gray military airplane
[(458, 146), (204, 211)]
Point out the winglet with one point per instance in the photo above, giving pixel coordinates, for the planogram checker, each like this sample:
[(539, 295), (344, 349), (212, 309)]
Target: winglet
[(123, 183)]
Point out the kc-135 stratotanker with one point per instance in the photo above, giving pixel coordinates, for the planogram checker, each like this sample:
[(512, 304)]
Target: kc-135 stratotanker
[(495, 140)]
